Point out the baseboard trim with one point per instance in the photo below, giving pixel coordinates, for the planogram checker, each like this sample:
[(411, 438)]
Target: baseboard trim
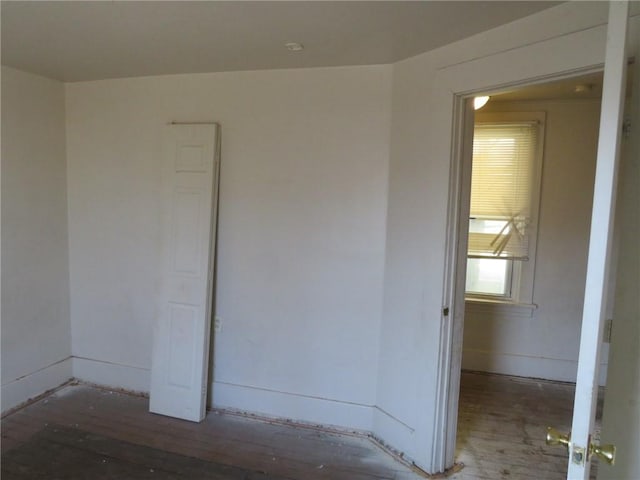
[(25, 389), (108, 374), (393, 435), (524, 366), (298, 408), (395, 454)]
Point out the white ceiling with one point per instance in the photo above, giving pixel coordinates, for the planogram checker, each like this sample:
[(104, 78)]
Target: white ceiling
[(89, 40)]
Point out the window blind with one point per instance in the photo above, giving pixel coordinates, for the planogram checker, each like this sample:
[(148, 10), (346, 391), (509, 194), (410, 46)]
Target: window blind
[(504, 156)]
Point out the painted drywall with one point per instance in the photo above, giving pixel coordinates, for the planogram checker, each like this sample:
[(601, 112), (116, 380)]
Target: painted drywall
[(544, 343), (621, 416), (565, 37), (36, 341), (302, 209)]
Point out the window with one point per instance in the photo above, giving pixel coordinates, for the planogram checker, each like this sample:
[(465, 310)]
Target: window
[(505, 191)]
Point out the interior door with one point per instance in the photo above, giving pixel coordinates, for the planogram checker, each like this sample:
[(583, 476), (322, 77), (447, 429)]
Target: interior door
[(182, 331), (581, 444)]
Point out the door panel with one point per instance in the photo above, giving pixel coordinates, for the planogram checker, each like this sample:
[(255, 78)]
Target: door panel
[(599, 243), (181, 337)]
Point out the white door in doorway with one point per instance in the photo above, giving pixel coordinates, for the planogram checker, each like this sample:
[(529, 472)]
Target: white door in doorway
[(573, 54), (582, 446), (182, 330)]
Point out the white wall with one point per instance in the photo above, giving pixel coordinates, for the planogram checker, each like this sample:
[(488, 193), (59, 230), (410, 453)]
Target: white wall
[(301, 232), (413, 333), (544, 343), (35, 279)]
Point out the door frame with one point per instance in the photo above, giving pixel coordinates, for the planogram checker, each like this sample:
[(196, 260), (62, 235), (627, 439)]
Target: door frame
[(577, 53)]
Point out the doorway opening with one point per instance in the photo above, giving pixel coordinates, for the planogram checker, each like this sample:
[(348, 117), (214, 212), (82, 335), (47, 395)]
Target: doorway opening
[(527, 199)]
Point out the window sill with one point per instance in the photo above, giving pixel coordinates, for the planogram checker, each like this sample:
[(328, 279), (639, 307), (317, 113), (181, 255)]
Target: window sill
[(499, 308)]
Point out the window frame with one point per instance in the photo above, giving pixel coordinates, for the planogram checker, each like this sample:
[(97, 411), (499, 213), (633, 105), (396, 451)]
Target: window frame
[(522, 272)]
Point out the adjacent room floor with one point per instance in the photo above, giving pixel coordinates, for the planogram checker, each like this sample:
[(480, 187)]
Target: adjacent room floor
[(502, 423), (86, 432)]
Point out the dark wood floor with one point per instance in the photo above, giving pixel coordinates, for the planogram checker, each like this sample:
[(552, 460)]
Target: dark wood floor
[(281, 451), (501, 432)]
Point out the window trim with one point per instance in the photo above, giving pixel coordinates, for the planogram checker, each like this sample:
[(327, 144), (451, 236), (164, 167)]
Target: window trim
[(523, 272)]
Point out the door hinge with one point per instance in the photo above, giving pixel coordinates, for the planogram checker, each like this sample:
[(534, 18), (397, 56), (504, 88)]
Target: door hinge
[(445, 311), (608, 325), (626, 128)]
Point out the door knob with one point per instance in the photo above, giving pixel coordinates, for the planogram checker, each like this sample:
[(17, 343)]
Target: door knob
[(554, 437), (604, 452)]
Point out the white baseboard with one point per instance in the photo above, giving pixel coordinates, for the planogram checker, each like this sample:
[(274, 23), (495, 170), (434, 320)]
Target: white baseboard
[(36, 383), (114, 375), (524, 366), (307, 409), (394, 434)]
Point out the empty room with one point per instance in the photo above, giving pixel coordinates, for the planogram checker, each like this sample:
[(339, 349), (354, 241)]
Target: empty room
[(240, 240)]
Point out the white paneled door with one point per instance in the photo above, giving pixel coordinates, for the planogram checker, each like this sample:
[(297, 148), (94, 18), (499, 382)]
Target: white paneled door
[(182, 330), (582, 446)]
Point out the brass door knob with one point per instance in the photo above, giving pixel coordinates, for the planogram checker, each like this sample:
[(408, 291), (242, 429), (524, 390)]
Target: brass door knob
[(554, 437), (606, 453)]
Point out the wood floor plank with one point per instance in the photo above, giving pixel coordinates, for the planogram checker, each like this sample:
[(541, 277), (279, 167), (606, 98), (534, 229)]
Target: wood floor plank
[(502, 423), (501, 428), (283, 450)]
